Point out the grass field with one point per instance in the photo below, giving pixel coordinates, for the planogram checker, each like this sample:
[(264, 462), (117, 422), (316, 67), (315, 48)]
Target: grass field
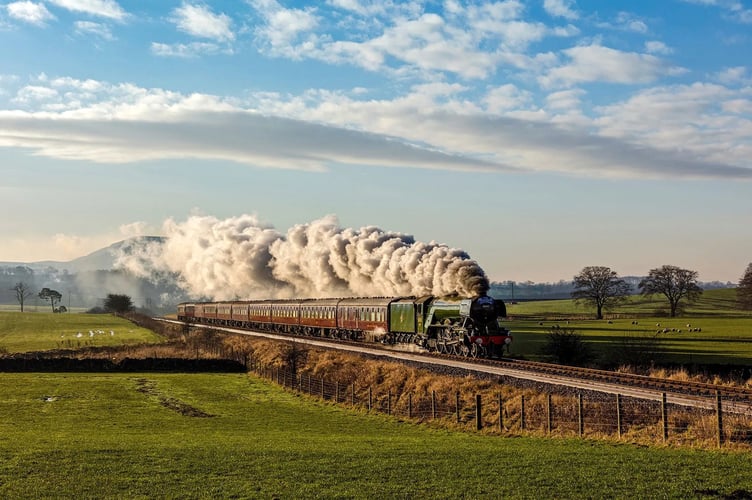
[(725, 336), (721, 302), (22, 332), (131, 435)]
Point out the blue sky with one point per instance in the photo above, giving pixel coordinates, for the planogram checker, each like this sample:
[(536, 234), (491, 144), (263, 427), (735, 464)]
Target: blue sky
[(540, 137)]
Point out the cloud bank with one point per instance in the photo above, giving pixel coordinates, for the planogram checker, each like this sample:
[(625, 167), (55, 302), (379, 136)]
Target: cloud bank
[(431, 127)]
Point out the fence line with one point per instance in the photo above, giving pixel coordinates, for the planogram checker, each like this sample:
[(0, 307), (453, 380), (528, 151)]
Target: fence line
[(549, 414)]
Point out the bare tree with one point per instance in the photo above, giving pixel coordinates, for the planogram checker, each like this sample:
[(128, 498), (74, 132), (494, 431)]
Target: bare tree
[(293, 356), (744, 289), (52, 295), (675, 283), (600, 287), (23, 292)]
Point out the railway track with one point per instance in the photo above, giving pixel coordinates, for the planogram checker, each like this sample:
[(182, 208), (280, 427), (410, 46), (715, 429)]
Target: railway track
[(686, 393), (628, 379)]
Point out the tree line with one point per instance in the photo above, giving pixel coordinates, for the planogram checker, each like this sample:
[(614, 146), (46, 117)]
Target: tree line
[(117, 303), (602, 288)]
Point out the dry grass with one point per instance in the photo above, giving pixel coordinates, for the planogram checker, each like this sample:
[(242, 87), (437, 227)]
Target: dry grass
[(642, 422)]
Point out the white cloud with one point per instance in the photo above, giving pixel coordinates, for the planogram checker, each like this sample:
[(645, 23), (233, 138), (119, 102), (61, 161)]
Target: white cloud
[(625, 21), (506, 98), (561, 8), (565, 99), (596, 63), (656, 47), (198, 20), (187, 50), (466, 41), (429, 43), (101, 8), (363, 8), (697, 119), (285, 32), (29, 12), (97, 29), (34, 94), (735, 75)]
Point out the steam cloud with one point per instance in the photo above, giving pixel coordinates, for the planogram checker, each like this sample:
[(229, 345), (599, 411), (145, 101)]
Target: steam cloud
[(241, 258)]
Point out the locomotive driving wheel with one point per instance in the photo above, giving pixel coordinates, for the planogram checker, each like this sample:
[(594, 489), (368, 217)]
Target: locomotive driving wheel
[(475, 350), (463, 350)]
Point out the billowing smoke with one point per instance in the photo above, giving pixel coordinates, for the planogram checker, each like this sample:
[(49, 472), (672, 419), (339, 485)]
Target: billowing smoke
[(241, 258)]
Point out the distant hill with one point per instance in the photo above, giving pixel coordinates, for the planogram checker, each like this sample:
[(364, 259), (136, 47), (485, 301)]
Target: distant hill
[(86, 281), (99, 260)]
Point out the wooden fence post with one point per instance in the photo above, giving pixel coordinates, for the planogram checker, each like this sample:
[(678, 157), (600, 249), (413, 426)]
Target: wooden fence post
[(322, 388), (580, 417), (433, 404), (522, 412), (719, 417), (664, 416), (352, 394), (478, 415), (389, 402), (457, 405), (618, 415), (370, 398), (336, 391), (410, 405), (549, 416)]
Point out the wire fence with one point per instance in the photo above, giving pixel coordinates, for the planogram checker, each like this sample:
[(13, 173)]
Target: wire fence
[(588, 415)]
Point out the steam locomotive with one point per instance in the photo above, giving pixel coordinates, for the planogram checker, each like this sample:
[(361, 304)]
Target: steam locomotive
[(460, 326)]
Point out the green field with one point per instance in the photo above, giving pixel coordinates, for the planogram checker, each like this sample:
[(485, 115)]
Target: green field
[(725, 336), (132, 435), (23, 332)]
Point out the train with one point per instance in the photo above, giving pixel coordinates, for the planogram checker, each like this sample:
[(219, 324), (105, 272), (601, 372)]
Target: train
[(447, 325)]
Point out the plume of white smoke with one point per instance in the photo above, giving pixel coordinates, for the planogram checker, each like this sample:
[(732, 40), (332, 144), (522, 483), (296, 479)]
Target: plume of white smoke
[(242, 258)]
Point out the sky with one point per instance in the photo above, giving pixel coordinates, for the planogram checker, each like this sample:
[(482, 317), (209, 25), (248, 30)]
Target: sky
[(538, 136)]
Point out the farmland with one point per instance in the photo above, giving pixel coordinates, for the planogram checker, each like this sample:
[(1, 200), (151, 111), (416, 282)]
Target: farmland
[(110, 435), (22, 332), (725, 335), (141, 435)]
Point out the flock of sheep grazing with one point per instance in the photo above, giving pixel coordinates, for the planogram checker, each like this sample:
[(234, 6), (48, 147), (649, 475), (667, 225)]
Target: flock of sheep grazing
[(91, 334), (690, 328)]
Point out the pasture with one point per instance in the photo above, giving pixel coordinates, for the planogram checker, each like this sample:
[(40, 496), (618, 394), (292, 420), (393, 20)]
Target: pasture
[(23, 332), (725, 335), (232, 435)]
